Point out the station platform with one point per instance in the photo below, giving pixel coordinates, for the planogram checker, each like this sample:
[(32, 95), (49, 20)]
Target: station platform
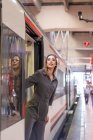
[(82, 122)]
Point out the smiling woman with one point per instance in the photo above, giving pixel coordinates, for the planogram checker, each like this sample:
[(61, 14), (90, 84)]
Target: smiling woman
[(45, 84)]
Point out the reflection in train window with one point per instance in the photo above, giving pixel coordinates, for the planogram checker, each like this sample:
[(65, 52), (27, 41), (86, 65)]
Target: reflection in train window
[(11, 77)]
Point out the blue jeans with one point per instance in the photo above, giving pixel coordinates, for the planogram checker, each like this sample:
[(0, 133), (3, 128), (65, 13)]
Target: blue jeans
[(86, 98)]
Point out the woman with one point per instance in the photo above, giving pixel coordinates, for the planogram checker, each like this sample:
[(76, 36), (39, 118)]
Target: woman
[(16, 82), (91, 93), (87, 93), (45, 84)]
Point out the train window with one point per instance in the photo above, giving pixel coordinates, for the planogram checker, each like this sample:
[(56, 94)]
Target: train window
[(60, 91), (12, 53)]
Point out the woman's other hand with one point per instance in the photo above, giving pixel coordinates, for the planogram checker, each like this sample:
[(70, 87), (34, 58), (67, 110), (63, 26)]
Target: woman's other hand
[(46, 119)]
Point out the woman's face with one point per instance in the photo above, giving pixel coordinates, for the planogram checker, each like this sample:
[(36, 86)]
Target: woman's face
[(16, 62), (51, 62)]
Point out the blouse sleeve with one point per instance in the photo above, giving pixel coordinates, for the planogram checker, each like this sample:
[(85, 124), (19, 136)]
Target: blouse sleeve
[(32, 80)]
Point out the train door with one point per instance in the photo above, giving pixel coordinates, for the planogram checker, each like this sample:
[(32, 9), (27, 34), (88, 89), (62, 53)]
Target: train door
[(67, 88), (34, 53), (39, 54)]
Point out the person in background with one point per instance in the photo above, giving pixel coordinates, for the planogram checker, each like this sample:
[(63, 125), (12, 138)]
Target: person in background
[(91, 93), (87, 93), (45, 84)]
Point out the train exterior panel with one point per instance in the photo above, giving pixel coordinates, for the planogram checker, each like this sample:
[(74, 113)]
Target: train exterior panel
[(57, 112), (13, 17), (13, 37), (14, 132)]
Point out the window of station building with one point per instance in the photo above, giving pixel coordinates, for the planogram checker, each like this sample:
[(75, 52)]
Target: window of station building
[(12, 75)]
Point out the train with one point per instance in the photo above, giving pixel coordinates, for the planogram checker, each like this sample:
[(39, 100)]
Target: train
[(22, 37)]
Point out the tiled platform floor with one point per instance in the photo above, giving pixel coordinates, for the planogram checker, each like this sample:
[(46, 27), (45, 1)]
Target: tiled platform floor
[(82, 124)]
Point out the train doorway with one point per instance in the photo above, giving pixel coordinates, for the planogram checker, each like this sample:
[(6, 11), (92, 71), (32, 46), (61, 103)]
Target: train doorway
[(39, 54), (29, 62), (34, 55)]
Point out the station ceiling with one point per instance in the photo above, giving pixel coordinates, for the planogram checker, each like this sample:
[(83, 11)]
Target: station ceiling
[(66, 3), (34, 7)]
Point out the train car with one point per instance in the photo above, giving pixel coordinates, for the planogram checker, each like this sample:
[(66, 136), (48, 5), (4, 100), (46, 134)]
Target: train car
[(25, 43), (57, 111)]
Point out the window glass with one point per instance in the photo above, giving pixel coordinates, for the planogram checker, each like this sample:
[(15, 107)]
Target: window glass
[(60, 91), (12, 77)]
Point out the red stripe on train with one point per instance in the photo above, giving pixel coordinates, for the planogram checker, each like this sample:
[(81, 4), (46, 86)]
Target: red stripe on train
[(33, 27), (57, 116)]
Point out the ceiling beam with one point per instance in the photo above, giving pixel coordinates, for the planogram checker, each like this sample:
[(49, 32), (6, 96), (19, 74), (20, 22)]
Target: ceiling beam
[(37, 4), (80, 3), (66, 5), (52, 3)]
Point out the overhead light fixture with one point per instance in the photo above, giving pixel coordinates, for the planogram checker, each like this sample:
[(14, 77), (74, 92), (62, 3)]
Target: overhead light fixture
[(81, 17), (14, 1)]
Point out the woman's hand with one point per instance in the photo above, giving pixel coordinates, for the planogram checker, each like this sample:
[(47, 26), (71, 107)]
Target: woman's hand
[(46, 119)]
